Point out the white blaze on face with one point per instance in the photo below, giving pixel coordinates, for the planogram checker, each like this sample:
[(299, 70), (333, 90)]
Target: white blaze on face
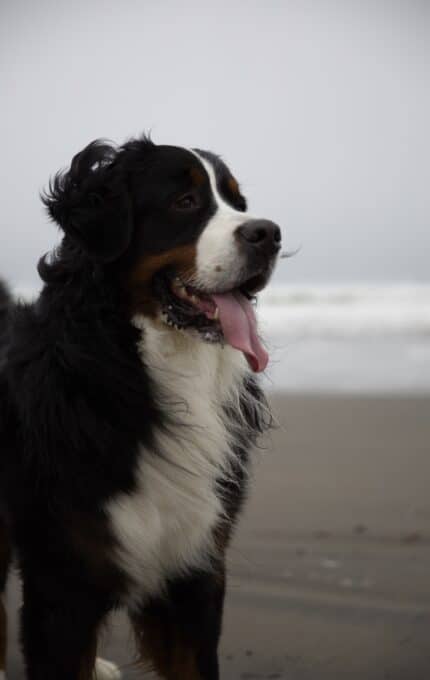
[(219, 259)]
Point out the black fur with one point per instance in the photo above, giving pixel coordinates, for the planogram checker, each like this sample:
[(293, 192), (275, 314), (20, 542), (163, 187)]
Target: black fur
[(91, 204), (5, 308), (77, 402)]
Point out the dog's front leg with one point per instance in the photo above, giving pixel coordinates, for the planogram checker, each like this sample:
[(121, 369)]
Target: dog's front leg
[(5, 557), (59, 626), (178, 633)]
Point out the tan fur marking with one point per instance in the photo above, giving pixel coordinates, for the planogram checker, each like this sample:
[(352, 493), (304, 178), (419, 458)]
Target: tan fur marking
[(233, 185), (197, 175), (182, 259), (177, 662)]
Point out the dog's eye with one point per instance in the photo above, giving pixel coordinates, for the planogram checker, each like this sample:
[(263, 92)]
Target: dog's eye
[(186, 202)]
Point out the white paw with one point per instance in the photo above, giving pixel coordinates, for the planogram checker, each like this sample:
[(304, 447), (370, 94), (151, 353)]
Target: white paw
[(2, 675), (104, 670)]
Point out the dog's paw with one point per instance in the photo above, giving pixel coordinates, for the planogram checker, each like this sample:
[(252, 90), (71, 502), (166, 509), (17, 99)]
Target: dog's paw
[(105, 670), (2, 675)]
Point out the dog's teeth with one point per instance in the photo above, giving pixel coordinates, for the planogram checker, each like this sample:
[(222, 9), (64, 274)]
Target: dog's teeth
[(216, 314), (181, 292)]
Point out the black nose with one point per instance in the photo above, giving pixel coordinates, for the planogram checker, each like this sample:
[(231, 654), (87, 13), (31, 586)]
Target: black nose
[(262, 235)]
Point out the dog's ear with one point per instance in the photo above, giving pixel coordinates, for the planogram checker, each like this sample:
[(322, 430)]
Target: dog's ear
[(91, 203)]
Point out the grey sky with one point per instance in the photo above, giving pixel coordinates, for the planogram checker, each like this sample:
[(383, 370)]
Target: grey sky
[(322, 109)]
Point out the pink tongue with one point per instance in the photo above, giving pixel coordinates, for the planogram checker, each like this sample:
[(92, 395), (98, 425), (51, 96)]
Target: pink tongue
[(239, 325)]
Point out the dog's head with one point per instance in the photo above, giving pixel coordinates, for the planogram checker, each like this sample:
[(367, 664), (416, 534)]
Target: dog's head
[(172, 224)]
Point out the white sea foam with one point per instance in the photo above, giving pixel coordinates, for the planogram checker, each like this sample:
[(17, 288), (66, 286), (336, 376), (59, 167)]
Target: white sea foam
[(348, 338), (345, 311)]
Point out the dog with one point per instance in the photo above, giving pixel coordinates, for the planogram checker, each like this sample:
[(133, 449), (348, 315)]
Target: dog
[(129, 407)]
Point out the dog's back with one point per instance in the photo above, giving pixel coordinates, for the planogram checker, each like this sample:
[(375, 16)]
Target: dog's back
[(5, 306)]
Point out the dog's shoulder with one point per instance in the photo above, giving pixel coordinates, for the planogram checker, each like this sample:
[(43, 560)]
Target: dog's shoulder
[(80, 395)]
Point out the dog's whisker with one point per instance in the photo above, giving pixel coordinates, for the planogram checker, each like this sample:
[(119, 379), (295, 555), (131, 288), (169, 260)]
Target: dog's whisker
[(290, 253)]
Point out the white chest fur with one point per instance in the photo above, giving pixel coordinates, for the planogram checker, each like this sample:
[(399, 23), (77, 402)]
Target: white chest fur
[(164, 526)]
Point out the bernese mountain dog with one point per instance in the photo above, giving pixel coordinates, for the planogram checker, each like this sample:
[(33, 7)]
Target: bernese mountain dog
[(129, 407)]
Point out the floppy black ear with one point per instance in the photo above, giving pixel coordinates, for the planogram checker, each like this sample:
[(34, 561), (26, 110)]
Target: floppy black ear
[(91, 203)]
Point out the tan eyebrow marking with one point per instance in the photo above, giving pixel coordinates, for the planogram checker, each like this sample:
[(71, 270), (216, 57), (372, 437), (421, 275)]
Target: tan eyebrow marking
[(233, 185), (197, 175)]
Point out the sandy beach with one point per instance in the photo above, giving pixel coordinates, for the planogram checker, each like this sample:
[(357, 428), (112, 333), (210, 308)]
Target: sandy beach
[(330, 568)]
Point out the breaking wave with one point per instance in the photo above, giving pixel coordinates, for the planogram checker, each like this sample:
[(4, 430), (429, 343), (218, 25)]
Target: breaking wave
[(346, 310)]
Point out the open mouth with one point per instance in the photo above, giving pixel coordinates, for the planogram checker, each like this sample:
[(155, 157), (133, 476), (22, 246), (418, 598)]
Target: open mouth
[(227, 316)]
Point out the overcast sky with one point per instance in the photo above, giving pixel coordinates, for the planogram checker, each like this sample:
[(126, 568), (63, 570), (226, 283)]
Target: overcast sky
[(321, 107)]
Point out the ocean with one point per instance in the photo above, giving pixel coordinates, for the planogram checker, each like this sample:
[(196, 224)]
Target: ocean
[(348, 338), (345, 338)]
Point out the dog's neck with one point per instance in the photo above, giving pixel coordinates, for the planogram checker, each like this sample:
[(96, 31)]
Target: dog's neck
[(182, 364)]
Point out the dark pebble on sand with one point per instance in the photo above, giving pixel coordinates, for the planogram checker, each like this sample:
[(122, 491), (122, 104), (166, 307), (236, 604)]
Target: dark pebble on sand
[(413, 537), (322, 533)]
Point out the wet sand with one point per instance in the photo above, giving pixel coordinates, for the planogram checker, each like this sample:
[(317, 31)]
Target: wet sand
[(330, 569)]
